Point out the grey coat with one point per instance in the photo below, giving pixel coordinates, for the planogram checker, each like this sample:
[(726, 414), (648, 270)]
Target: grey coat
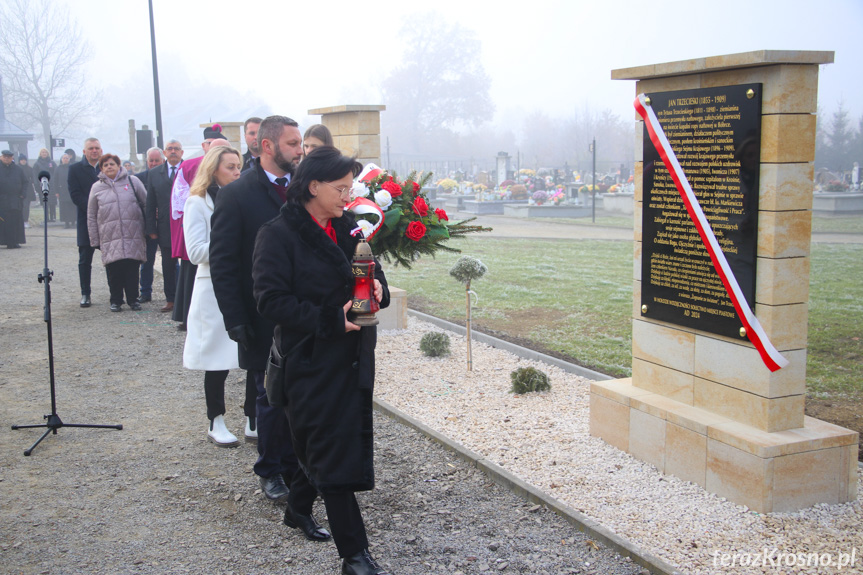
[(115, 217)]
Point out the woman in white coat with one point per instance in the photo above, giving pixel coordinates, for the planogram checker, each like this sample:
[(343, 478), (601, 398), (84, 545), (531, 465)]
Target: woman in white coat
[(208, 346)]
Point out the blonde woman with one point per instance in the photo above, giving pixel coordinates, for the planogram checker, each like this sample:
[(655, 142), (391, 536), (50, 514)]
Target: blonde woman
[(208, 346)]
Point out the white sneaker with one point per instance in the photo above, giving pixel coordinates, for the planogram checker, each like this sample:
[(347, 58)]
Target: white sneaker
[(220, 435), (251, 432)]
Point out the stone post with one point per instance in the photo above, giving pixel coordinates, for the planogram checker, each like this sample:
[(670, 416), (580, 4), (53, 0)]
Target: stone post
[(356, 130), (703, 406), (133, 144)]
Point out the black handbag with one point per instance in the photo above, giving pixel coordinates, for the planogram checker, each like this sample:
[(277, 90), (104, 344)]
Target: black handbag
[(275, 376)]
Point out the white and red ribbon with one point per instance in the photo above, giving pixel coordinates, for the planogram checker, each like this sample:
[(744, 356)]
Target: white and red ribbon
[(772, 358), (362, 206), (370, 172)]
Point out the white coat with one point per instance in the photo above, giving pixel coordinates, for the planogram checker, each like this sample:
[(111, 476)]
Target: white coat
[(208, 346)]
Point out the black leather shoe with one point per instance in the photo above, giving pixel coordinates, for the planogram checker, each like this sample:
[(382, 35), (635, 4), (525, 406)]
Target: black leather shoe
[(362, 564), (85, 301), (135, 306), (307, 524), (274, 488), (116, 307), (145, 298)]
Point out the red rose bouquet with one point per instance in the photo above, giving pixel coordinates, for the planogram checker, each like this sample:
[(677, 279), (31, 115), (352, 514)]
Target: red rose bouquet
[(410, 227)]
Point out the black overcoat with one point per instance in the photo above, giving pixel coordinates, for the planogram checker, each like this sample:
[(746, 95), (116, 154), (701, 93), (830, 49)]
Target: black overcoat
[(242, 207), (81, 178), (158, 211), (13, 187), (302, 281)]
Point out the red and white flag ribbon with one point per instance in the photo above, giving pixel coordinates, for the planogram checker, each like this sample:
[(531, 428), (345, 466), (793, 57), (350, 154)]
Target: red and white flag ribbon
[(362, 206), (772, 358), (370, 172)]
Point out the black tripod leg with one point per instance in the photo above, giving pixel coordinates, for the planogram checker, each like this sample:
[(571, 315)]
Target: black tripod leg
[(95, 426), (38, 441)]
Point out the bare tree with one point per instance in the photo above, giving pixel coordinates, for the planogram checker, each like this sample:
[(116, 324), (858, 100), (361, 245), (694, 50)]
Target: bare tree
[(440, 87), (42, 53)]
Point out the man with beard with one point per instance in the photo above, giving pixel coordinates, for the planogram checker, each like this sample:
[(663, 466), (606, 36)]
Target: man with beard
[(242, 207), (250, 131)]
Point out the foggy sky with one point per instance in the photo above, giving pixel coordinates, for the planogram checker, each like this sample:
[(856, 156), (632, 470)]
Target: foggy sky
[(552, 56)]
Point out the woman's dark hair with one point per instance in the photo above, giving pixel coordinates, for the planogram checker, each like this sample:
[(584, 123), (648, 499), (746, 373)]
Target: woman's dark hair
[(107, 157), (320, 132), (324, 164)]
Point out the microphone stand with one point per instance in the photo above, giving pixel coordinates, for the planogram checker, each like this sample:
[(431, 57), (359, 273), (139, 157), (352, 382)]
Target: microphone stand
[(54, 421)]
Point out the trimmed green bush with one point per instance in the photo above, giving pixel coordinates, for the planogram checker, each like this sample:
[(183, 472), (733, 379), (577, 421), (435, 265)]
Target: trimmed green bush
[(435, 344), (527, 379)]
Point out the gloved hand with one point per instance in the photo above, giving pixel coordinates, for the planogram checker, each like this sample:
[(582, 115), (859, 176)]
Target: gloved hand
[(243, 334)]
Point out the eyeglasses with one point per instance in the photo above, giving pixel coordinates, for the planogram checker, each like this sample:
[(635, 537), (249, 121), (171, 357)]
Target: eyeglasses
[(172, 149), (344, 192)]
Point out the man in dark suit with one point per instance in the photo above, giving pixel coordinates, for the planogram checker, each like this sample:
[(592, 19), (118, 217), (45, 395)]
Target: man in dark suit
[(242, 207), (250, 131), (82, 176), (155, 158), (157, 225)]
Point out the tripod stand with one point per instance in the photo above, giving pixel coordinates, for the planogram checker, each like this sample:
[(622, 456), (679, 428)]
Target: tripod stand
[(54, 421)]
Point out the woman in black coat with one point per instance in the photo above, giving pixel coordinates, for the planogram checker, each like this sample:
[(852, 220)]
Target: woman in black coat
[(303, 283)]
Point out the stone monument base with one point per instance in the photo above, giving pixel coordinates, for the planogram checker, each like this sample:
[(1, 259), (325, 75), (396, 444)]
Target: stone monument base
[(395, 316), (780, 471)]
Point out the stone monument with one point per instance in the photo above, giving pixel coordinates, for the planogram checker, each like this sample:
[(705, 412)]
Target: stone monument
[(701, 404), (356, 129)]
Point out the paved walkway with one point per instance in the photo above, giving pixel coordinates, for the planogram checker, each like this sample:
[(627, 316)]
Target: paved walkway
[(578, 229)]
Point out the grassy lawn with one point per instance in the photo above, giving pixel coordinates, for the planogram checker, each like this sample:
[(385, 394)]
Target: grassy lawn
[(604, 221), (835, 360), (843, 225), (570, 297), (574, 298)]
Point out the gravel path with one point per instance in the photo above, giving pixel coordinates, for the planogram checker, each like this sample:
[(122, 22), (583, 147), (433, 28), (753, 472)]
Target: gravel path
[(157, 498)]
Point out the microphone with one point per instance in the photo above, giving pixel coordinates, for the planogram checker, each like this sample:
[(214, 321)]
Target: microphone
[(43, 178)]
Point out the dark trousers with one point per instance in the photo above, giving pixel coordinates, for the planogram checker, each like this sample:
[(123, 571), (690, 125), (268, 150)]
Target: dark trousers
[(343, 513), (214, 392), (85, 266), (183, 296), (147, 268), (169, 272), (123, 277), (275, 451), (250, 404), (346, 523)]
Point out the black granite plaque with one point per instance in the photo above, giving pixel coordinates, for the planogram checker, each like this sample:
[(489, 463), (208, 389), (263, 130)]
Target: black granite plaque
[(716, 135)]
